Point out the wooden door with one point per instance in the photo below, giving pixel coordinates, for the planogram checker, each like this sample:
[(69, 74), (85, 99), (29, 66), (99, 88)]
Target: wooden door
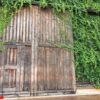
[(9, 68), (15, 68), (55, 70)]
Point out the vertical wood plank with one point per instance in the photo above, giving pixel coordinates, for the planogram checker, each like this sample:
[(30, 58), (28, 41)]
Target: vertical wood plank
[(18, 69), (14, 28), (24, 24), (34, 53), (18, 27)]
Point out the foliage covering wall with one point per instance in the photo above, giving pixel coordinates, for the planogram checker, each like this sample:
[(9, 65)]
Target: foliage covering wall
[(86, 30)]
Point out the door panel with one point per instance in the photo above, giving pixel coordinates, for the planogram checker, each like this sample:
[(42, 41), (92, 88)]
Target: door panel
[(10, 68), (54, 69), (9, 78), (16, 68), (27, 68)]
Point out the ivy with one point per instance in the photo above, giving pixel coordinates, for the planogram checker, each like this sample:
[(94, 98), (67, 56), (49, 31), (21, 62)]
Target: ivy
[(86, 31)]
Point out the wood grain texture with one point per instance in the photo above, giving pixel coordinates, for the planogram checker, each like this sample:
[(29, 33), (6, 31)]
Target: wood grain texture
[(31, 61)]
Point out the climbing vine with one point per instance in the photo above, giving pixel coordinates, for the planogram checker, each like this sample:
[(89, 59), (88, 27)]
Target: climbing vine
[(85, 16)]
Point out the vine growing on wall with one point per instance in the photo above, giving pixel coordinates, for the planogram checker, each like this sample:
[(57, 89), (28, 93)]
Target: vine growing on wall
[(85, 16)]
